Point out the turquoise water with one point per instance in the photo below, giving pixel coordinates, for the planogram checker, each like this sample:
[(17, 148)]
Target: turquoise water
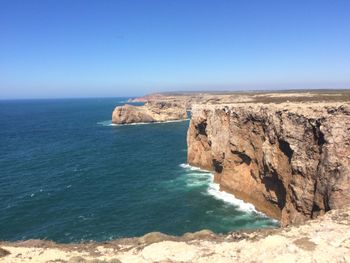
[(67, 175)]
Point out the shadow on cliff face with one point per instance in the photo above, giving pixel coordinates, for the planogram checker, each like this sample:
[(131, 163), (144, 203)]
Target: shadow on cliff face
[(201, 128), (274, 184), (285, 148), (218, 167), (244, 157)]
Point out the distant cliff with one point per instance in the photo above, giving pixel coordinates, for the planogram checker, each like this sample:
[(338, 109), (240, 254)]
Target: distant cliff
[(150, 112), (291, 160), (160, 107)]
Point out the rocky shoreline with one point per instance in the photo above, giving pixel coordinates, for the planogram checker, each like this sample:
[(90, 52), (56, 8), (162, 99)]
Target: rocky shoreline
[(289, 158)]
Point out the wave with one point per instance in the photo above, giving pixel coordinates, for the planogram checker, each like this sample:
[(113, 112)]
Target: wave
[(198, 179), (213, 189), (105, 123), (192, 168)]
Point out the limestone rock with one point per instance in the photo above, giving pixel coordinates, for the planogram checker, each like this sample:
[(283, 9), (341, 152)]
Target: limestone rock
[(292, 161), (325, 239), (150, 112)]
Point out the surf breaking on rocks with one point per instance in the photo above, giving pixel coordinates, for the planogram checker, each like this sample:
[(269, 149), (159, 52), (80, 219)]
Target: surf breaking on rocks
[(213, 189)]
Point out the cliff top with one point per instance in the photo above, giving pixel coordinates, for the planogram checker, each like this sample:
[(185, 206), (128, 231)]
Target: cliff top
[(326, 239), (251, 96), (312, 109)]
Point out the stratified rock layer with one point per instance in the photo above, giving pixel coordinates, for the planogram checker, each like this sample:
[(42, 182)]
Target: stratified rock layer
[(150, 112), (292, 161)]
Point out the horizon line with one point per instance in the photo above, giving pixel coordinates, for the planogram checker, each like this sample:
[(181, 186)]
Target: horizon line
[(178, 92)]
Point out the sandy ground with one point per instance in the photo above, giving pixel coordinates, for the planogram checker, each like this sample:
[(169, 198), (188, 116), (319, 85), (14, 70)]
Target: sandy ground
[(326, 239)]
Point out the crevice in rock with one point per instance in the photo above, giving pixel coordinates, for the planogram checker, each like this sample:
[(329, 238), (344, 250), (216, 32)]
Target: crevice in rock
[(320, 140), (218, 167), (274, 184), (201, 128), (318, 135), (285, 148), (251, 119), (315, 208), (245, 158), (326, 203), (315, 211)]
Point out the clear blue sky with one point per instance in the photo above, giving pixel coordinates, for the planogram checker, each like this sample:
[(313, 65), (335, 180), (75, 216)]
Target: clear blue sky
[(123, 48)]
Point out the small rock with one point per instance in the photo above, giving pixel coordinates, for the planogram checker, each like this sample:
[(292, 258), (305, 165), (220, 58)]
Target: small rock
[(4, 252)]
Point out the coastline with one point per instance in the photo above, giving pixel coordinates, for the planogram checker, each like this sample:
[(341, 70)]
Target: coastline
[(302, 239)]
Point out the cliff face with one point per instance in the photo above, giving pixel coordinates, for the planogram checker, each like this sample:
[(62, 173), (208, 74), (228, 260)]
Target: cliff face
[(173, 105), (292, 161), (150, 112)]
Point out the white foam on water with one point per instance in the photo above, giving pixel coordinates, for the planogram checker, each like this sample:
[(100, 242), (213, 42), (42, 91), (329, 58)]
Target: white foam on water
[(214, 190), (105, 123), (195, 176), (193, 183), (185, 165), (199, 175), (192, 168)]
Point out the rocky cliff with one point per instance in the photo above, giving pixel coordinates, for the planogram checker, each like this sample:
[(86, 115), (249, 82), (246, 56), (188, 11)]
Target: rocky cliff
[(170, 106), (150, 112), (291, 160)]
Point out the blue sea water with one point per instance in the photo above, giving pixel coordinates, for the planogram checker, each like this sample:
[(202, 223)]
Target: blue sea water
[(67, 175)]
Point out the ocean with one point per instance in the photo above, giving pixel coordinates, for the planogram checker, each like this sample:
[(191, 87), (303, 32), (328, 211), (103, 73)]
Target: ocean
[(68, 175)]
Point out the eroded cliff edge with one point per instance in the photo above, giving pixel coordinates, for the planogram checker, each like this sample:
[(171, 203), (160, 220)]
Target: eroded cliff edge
[(155, 111), (291, 160)]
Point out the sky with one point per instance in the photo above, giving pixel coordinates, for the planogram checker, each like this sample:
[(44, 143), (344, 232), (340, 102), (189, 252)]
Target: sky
[(72, 48)]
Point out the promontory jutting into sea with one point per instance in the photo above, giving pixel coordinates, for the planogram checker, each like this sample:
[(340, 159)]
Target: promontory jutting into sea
[(92, 180), (189, 131), (250, 161)]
